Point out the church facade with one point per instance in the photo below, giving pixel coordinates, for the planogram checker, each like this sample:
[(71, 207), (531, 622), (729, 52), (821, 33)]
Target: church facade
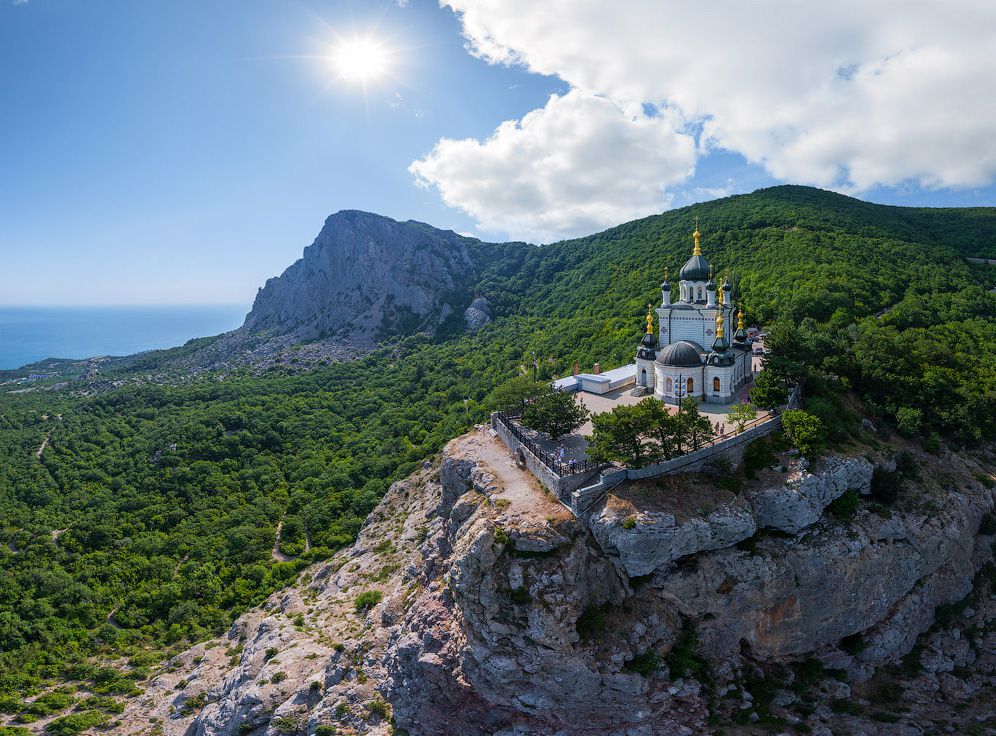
[(691, 354)]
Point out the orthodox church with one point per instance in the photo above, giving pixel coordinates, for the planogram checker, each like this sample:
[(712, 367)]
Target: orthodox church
[(674, 364)]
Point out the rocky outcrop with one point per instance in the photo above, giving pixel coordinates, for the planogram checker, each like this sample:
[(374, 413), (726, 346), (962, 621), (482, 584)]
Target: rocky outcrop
[(478, 314), (502, 614), (799, 501), (366, 275), (647, 541)]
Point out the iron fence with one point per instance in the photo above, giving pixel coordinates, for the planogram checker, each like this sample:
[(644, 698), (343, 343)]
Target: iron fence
[(547, 458)]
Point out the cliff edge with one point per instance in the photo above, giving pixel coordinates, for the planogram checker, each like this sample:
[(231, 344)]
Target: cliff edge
[(474, 603)]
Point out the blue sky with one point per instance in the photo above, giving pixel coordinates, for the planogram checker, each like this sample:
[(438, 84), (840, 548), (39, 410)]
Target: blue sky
[(185, 151)]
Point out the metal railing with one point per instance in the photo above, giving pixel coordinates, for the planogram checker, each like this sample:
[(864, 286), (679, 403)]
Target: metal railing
[(547, 458)]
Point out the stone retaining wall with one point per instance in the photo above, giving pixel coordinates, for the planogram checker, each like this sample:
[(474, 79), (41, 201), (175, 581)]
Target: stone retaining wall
[(563, 486), (577, 491)]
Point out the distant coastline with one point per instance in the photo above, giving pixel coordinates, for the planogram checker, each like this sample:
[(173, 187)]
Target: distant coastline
[(32, 333)]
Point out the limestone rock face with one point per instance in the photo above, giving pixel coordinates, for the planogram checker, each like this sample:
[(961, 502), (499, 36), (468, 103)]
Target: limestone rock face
[(800, 500), (364, 275), (477, 314), (655, 539), (502, 614)]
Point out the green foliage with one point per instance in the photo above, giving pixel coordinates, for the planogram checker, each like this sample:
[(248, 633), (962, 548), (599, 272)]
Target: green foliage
[(741, 415), (325, 730), (150, 518), (367, 600), (805, 431), (618, 435), (555, 412), (516, 392), (885, 485), (645, 664), (378, 709), (908, 420), (501, 536), (769, 390), (684, 659), (629, 522), (285, 725), (845, 506), (591, 622), (647, 432), (758, 455), (76, 723)]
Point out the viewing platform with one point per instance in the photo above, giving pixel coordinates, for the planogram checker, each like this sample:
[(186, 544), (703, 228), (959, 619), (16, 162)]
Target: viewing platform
[(564, 467)]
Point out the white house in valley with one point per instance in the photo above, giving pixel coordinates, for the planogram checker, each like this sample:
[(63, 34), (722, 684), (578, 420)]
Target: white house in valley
[(676, 363)]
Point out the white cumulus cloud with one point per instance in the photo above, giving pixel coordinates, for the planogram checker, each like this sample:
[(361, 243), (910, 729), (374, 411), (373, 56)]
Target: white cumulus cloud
[(579, 163), (851, 94)]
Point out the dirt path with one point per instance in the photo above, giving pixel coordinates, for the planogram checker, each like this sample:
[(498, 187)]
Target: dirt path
[(526, 497), (41, 448), (277, 554)]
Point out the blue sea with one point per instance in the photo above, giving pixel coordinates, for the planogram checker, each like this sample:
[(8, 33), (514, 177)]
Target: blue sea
[(28, 334)]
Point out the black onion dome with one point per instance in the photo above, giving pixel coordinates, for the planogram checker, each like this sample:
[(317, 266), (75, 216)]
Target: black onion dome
[(649, 340), (722, 359), (665, 286), (696, 268), (681, 354)]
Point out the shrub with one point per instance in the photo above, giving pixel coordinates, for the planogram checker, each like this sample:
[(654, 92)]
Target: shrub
[(906, 464), (501, 536), (758, 456), (684, 659), (285, 725), (270, 653), (885, 485), (629, 522), (645, 664), (326, 730), (988, 524), (367, 600), (278, 677), (591, 622), (908, 421), (846, 506), (378, 709), (805, 431), (76, 723)]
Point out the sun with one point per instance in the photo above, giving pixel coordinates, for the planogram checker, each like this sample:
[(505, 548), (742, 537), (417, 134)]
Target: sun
[(361, 60)]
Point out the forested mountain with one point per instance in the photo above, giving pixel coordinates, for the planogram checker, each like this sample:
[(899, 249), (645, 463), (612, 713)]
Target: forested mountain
[(146, 516)]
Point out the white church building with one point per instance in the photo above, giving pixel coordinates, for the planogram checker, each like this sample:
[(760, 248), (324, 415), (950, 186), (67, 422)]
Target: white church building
[(691, 355)]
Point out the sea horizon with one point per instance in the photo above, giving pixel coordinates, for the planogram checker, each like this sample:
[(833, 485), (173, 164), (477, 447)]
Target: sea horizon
[(30, 333)]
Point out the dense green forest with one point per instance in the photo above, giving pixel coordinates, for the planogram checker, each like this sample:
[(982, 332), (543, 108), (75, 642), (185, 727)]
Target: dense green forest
[(150, 517)]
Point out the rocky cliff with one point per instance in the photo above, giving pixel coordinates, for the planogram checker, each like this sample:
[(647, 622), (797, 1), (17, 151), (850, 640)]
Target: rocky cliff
[(366, 275), (473, 603)]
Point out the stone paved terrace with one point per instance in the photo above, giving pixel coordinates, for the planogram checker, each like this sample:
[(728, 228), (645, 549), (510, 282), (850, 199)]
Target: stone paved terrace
[(598, 403), (575, 445)]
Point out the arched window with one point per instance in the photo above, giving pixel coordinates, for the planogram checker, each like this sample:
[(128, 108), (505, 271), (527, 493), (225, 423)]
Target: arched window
[(670, 386), (715, 385), (691, 386), (700, 294), (643, 377)]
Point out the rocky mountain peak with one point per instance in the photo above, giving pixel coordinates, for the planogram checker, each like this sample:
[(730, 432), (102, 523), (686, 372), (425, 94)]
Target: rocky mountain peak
[(364, 276)]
